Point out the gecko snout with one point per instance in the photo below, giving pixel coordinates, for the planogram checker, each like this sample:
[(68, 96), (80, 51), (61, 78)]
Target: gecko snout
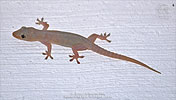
[(15, 34)]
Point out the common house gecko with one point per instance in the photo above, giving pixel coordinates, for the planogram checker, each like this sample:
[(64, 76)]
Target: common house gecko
[(71, 40)]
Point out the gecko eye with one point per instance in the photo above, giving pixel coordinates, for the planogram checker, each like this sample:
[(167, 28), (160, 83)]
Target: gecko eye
[(22, 36)]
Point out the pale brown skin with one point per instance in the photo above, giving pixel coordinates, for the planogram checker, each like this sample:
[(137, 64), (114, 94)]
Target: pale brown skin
[(67, 39)]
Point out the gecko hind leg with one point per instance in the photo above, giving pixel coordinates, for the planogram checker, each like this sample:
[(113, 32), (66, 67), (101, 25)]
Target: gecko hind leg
[(75, 50), (93, 37)]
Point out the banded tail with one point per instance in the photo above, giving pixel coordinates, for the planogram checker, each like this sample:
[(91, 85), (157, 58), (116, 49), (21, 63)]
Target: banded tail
[(107, 53)]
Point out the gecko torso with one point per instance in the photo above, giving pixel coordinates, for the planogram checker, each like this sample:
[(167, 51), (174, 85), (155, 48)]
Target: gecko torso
[(68, 39)]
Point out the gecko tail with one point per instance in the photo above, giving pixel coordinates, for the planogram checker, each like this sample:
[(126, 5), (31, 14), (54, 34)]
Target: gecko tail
[(107, 53)]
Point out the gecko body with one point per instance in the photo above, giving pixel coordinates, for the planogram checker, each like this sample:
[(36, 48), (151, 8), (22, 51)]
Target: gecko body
[(71, 40)]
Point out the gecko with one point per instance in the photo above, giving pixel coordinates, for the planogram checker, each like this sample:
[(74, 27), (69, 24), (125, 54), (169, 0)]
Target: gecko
[(67, 39)]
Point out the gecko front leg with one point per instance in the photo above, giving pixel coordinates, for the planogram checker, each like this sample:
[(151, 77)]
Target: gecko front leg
[(41, 22), (49, 47)]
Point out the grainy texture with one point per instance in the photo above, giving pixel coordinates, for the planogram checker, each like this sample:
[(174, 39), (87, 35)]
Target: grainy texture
[(144, 30)]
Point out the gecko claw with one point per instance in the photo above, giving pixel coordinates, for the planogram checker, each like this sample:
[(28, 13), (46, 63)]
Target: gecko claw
[(48, 55), (71, 60), (51, 57), (105, 34), (38, 22), (43, 53), (81, 56), (77, 61), (108, 35), (42, 19), (108, 40), (70, 55), (104, 37), (75, 57)]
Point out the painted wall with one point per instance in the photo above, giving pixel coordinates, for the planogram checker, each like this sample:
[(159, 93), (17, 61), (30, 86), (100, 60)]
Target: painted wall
[(142, 29)]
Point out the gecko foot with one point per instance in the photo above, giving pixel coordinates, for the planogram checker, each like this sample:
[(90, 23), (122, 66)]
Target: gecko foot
[(48, 55), (104, 37), (75, 57), (41, 22)]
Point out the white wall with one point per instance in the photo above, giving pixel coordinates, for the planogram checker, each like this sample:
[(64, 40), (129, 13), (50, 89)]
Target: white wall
[(142, 29)]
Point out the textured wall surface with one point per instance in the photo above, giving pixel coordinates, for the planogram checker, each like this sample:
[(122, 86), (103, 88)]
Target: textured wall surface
[(142, 29)]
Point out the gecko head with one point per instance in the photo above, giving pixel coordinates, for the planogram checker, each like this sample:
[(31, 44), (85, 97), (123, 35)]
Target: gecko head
[(24, 33)]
